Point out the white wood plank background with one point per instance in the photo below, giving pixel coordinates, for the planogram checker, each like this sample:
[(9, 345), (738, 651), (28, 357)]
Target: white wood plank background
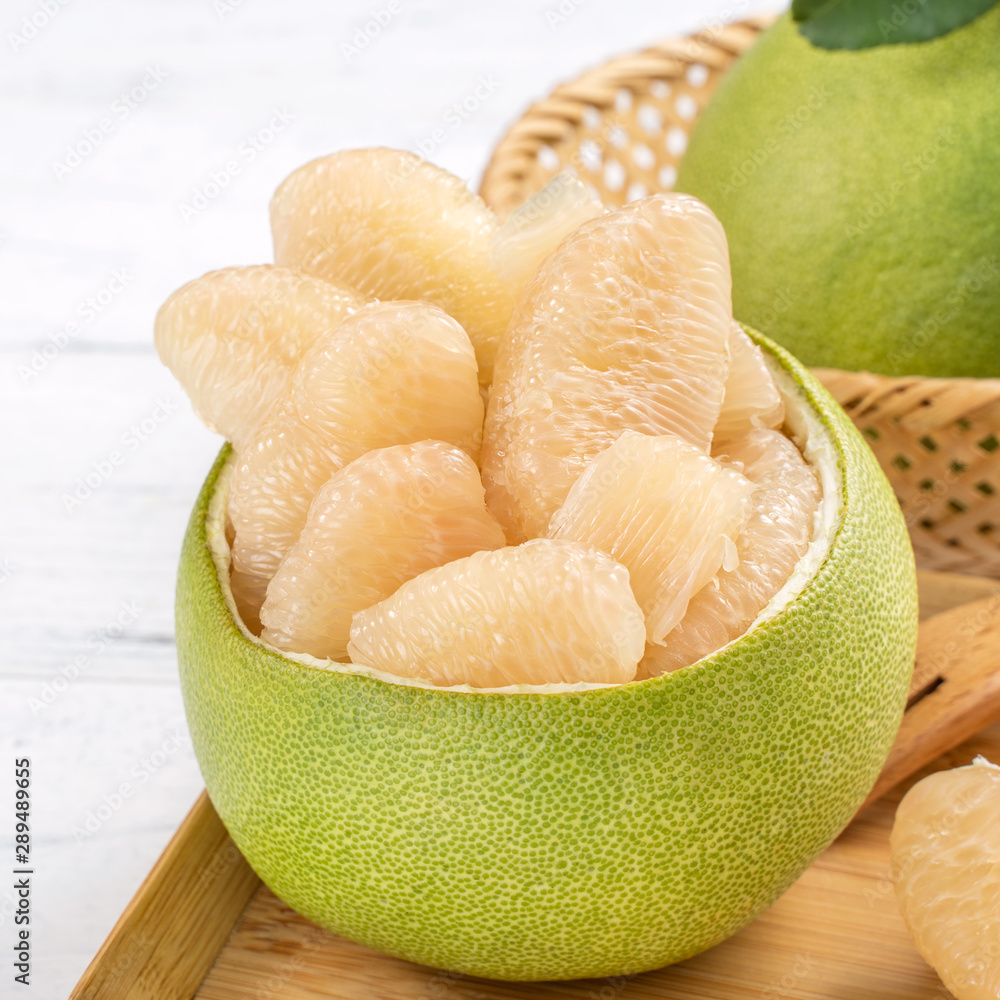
[(88, 685)]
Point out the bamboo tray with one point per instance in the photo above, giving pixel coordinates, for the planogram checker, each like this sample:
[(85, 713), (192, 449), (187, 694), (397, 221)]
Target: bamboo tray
[(203, 926)]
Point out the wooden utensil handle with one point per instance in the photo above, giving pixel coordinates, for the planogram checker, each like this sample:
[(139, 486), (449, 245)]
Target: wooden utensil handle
[(955, 690)]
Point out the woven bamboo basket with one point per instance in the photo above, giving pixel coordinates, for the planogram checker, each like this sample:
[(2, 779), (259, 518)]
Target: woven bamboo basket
[(623, 128)]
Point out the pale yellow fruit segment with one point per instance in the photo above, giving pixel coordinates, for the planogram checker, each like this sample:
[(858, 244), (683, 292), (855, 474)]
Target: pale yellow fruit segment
[(666, 511), (946, 865), (624, 327), (545, 612), (533, 230), (781, 525), (233, 337), (750, 398), (381, 520), (395, 373), (396, 227)]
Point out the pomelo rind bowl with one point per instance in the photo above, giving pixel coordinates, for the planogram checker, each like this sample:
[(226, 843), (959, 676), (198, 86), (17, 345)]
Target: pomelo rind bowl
[(564, 832)]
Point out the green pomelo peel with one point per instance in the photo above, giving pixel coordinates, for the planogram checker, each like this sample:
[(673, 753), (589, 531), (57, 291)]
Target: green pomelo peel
[(577, 832)]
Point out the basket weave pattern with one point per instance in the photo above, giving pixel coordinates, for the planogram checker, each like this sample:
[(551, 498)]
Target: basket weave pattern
[(623, 129)]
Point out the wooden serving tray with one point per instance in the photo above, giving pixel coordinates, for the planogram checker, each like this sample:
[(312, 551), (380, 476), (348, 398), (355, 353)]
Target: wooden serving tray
[(203, 926)]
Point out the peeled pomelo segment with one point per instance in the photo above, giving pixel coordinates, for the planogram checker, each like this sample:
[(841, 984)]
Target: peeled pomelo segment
[(395, 373), (233, 337), (945, 846), (546, 612), (780, 527), (666, 511), (751, 399), (381, 520), (533, 230), (396, 227), (624, 327)]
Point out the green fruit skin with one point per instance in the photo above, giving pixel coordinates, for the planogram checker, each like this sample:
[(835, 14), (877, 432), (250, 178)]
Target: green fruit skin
[(562, 835), (860, 192)]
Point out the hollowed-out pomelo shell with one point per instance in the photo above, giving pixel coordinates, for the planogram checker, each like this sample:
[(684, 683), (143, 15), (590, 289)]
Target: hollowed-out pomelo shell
[(573, 833)]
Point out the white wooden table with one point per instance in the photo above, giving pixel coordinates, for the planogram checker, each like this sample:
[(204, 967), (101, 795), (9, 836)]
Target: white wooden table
[(116, 116)]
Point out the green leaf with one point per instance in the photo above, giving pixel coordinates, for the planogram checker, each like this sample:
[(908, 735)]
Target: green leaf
[(862, 24)]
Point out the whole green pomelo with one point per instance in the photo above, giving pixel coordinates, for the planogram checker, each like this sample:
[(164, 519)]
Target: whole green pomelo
[(860, 191), (563, 833)]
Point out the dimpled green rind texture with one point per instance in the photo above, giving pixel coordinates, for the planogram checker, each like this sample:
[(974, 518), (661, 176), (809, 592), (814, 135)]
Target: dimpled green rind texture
[(562, 835), (859, 194)]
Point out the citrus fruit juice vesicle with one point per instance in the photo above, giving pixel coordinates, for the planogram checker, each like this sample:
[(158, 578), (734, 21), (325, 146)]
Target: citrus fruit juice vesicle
[(750, 398), (665, 510), (381, 520), (233, 337), (395, 227), (545, 612), (533, 230), (782, 523), (624, 327), (395, 373), (946, 867)]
